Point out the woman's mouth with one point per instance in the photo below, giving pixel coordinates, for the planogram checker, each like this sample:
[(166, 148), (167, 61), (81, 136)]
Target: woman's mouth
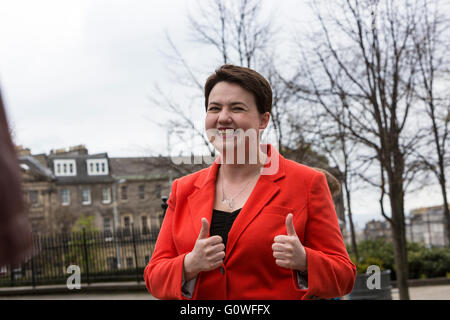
[(226, 132)]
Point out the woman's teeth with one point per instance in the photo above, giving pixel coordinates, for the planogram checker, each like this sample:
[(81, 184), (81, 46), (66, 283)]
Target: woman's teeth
[(227, 132)]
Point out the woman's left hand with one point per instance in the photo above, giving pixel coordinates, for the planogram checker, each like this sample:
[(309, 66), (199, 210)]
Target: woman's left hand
[(288, 250)]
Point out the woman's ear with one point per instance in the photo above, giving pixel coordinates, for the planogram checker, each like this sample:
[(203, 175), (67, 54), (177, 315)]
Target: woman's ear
[(265, 118)]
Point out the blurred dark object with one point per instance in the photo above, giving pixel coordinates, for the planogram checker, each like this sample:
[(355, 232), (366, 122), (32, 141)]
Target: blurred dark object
[(15, 233), (164, 206), (333, 184)]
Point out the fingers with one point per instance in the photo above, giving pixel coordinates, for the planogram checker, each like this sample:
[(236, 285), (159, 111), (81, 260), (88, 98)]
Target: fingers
[(204, 231), (215, 249), (214, 240), (214, 265), (214, 256), (283, 263), (287, 249), (218, 256), (282, 239), (280, 246), (290, 225), (282, 255)]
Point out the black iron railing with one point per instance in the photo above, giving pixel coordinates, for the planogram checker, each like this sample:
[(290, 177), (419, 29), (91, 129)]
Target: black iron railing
[(100, 256)]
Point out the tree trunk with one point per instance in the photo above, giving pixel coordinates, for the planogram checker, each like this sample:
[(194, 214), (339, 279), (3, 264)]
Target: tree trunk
[(399, 239), (445, 210), (350, 219)]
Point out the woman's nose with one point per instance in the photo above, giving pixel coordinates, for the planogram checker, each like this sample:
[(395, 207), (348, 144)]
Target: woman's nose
[(224, 116)]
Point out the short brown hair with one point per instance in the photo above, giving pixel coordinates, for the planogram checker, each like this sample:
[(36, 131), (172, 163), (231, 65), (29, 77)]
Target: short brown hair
[(248, 79)]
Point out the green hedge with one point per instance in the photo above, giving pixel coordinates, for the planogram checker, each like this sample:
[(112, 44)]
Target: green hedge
[(423, 262)]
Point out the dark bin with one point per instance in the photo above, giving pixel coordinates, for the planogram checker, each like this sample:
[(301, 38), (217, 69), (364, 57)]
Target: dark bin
[(362, 292)]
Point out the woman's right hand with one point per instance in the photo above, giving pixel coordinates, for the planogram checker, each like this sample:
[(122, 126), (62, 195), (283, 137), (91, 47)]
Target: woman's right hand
[(208, 253)]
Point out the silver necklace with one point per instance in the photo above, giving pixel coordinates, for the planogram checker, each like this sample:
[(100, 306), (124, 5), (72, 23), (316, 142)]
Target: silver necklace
[(230, 200)]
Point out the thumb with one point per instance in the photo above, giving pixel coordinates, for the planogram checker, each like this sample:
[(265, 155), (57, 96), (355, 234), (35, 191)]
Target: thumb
[(204, 230), (290, 225)]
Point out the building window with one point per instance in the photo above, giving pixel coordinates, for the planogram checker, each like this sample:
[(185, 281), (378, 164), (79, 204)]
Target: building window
[(65, 197), (144, 224), (129, 262), (97, 167), (107, 228), (106, 197), (34, 198), (141, 192), (86, 196), (127, 225), (158, 191), (112, 263), (126, 222), (123, 193), (65, 168)]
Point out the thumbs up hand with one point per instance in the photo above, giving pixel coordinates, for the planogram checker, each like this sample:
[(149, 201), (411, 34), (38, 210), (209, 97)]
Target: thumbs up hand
[(208, 253), (287, 249)]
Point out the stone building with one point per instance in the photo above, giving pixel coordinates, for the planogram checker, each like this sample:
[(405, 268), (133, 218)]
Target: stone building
[(39, 187), (67, 184), (123, 192), (427, 225), (376, 229)]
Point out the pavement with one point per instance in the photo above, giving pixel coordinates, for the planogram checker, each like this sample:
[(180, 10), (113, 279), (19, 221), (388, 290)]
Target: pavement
[(135, 291), (437, 292)]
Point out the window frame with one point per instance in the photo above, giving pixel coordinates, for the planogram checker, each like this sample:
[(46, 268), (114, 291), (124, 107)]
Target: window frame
[(97, 167), (106, 200), (61, 167), (62, 197), (89, 201)]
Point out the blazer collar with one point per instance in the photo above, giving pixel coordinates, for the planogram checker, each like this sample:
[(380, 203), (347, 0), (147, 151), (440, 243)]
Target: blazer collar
[(273, 169), (201, 201)]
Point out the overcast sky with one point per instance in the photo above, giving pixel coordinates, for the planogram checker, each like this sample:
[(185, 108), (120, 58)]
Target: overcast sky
[(80, 72)]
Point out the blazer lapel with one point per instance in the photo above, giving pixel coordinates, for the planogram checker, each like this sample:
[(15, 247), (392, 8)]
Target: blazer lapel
[(264, 190), (201, 201)]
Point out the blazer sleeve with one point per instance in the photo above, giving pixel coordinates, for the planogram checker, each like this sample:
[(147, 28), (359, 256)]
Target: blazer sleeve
[(331, 273), (164, 273)]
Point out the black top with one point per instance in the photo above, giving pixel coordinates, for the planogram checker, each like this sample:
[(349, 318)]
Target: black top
[(221, 223)]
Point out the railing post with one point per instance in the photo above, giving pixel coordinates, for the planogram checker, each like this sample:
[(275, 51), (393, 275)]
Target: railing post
[(33, 277), (86, 255), (12, 275), (135, 253)]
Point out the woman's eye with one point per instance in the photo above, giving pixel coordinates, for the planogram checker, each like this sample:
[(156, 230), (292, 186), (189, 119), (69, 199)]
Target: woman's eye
[(213, 108)]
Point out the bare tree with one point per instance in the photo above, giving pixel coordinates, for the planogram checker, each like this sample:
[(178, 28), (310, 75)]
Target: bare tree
[(332, 139), (239, 35), (234, 28), (431, 44), (365, 57)]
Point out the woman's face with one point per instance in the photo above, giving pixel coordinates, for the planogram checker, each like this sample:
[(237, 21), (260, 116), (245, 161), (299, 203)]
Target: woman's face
[(231, 107)]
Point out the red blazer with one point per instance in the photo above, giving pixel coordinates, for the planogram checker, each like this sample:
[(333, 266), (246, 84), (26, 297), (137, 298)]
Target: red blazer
[(249, 270)]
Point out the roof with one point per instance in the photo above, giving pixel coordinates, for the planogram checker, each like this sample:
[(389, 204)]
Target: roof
[(30, 164), (153, 168), (82, 175), (428, 210)]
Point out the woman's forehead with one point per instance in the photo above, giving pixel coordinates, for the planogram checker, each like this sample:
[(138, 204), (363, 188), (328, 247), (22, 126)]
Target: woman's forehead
[(230, 93)]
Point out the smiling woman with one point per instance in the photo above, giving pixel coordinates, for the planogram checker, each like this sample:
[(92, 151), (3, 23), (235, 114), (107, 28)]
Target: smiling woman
[(248, 229)]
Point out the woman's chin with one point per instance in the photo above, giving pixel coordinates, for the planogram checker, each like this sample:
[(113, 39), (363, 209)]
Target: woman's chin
[(225, 144)]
